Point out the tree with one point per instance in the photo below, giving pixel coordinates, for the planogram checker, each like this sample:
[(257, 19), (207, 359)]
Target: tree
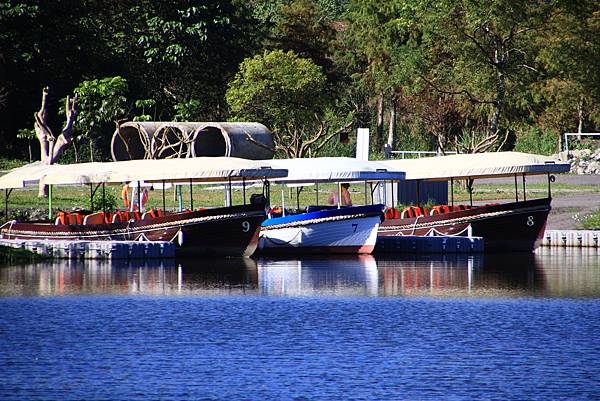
[(52, 146), (288, 94), (102, 102), (566, 97)]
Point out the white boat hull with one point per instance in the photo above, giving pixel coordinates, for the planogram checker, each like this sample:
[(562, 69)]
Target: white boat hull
[(354, 235)]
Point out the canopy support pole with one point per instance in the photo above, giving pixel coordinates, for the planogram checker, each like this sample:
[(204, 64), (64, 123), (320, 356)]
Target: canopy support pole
[(298, 190), (516, 190), (282, 201), (339, 203), (7, 193), (191, 196), (392, 185), (92, 194), (267, 190), (244, 188), (366, 197), (139, 195), (470, 185), (50, 202), (373, 190), (418, 189), (163, 196), (103, 198), (317, 192), (179, 198), (524, 191), (452, 191), (549, 186), (91, 197), (229, 189)]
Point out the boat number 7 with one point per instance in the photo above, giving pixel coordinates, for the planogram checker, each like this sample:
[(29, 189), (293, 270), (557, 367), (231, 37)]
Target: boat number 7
[(245, 226), (530, 221), (354, 226)]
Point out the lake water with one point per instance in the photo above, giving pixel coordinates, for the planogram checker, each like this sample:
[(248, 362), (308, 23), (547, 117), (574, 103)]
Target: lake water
[(498, 327)]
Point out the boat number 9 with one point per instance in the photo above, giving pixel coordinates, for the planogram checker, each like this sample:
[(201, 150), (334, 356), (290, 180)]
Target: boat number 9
[(530, 221), (245, 226)]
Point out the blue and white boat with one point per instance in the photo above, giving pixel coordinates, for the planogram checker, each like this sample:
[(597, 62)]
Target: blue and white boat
[(326, 229)]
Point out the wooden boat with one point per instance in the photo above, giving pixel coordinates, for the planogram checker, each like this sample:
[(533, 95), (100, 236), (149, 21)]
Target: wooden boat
[(225, 231), (344, 230), (509, 226), (322, 229)]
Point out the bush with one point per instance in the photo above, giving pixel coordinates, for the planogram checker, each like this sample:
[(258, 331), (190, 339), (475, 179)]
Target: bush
[(536, 141)]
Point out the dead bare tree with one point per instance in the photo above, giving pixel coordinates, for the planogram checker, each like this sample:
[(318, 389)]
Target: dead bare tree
[(51, 146)]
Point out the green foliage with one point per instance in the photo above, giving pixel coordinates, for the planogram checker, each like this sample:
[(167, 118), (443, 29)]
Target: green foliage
[(288, 94), (144, 105), (590, 221), (100, 102), (26, 133), (190, 110), (537, 141), (278, 88), (111, 201)]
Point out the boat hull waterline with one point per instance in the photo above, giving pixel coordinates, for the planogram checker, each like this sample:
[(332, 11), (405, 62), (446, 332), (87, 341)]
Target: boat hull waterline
[(335, 231), (229, 231), (517, 226)]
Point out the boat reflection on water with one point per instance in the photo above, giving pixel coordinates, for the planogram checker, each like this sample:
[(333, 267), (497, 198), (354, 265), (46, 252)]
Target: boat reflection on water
[(546, 273), (223, 276), (340, 275)]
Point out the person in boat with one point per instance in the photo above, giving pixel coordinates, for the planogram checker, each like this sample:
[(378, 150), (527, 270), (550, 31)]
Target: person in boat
[(345, 191)]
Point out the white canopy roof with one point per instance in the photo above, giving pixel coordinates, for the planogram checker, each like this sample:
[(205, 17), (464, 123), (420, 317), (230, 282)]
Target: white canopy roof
[(478, 165), (198, 169), (333, 169)]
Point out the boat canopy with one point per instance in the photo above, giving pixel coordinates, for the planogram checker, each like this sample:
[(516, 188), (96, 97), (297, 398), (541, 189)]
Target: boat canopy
[(477, 165), (198, 169), (333, 169)]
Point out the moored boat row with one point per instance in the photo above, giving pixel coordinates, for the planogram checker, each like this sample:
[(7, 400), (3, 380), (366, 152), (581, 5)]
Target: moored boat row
[(241, 230)]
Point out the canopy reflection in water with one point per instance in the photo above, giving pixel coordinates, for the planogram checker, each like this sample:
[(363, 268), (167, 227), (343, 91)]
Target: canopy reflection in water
[(547, 273)]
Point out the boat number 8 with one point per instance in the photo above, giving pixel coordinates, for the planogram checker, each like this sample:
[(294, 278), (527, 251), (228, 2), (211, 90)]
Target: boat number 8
[(245, 226), (530, 221)]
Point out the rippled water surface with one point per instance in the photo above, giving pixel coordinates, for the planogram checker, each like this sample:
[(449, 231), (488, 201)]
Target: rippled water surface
[(455, 328)]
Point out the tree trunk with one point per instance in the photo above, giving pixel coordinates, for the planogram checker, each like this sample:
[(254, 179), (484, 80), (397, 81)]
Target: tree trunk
[(392, 126), (379, 127), (51, 147), (91, 150), (579, 117), (76, 150)]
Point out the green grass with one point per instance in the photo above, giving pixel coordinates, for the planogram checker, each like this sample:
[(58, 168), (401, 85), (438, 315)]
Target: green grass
[(507, 191), (12, 255), (68, 198), (590, 221), (8, 164)]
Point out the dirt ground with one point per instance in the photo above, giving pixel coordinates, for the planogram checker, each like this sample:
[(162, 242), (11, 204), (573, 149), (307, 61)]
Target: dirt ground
[(565, 207)]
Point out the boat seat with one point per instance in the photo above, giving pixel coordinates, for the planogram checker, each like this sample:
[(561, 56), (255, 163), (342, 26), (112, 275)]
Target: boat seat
[(392, 213), (439, 209), (414, 211), (94, 218)]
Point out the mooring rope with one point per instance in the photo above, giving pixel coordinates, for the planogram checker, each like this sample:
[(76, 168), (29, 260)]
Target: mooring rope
[(456, 220), (128, 230)]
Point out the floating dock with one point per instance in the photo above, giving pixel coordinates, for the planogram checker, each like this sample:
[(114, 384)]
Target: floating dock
[(571, 238), (108, 250), (429, 244)]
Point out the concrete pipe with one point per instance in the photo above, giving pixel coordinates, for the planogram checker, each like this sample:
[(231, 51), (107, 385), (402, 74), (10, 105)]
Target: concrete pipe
[(172, 140), (132, 140), (245, 140), (159, 140)]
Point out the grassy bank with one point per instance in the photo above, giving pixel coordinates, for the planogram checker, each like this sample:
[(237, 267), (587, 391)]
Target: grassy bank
[(12, 255)]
